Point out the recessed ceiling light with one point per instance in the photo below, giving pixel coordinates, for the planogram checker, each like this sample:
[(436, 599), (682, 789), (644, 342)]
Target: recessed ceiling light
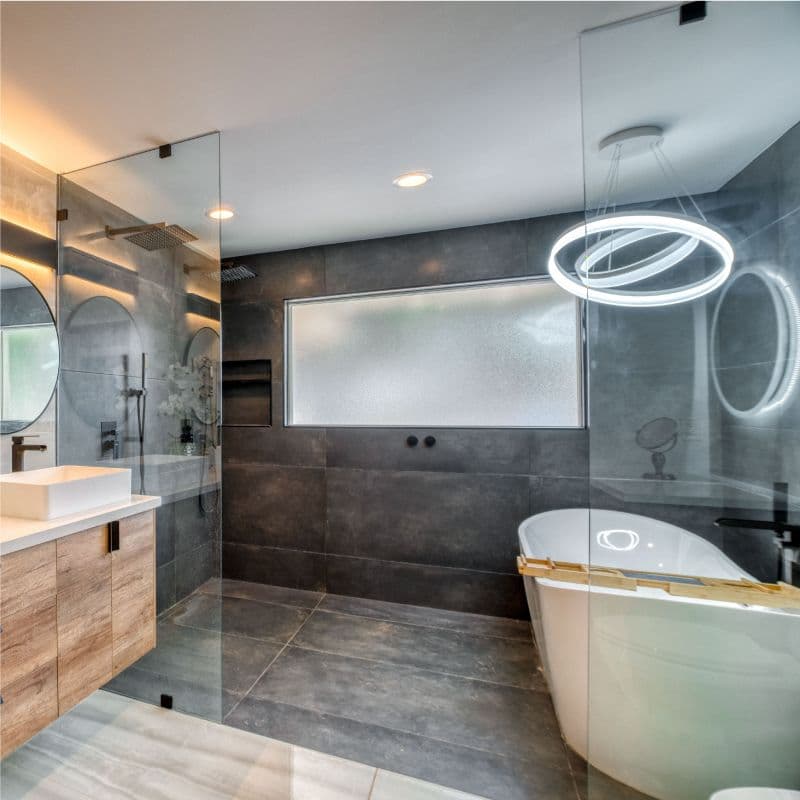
[(410, 180), (220, 213)]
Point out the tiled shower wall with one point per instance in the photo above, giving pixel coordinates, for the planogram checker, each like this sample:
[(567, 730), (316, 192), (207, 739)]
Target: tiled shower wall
[(355, 511), (116, 301)]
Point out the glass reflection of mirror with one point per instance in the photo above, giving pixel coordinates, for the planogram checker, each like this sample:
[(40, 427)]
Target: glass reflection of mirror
[(202, 357), (29, 354), (755, 332)]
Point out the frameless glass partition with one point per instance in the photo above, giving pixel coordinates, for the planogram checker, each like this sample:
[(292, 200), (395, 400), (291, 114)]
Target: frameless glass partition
[(688, 257), (139, 327)]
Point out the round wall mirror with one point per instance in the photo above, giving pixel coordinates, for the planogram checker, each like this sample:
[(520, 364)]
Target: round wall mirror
[(754, 342), (29, 355), (202, 357)]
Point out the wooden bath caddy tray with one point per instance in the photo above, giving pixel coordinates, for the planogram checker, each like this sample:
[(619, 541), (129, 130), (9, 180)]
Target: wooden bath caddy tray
[(774, 595)]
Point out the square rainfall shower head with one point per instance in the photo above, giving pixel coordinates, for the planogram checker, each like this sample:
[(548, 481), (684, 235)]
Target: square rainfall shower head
[(156, 238)]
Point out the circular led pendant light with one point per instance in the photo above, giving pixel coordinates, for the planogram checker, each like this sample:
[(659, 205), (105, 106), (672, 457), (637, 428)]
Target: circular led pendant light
[(595, 276)]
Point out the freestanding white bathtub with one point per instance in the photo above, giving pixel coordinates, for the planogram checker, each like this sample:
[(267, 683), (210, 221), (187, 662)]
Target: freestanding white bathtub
[(675, 697)]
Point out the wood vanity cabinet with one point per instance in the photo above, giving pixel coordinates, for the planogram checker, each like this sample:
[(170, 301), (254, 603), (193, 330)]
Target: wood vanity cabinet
[(133, 591), (84, 614), (28, 644), (74, 613)]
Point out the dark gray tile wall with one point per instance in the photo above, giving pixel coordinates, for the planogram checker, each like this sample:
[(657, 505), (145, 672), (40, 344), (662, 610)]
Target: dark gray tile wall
[(355, 511), (116, 301), (763, 218)]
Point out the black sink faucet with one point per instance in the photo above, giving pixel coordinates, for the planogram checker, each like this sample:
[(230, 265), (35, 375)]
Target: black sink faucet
[(787, 536), (18, 449)]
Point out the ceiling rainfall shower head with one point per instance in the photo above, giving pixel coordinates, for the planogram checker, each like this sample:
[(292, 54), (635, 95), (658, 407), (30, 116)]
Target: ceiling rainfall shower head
[(229, 273), (234, 272), (158, 236)]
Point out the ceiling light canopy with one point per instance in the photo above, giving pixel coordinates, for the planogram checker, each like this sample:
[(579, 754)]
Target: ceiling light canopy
[(411, 180), (220, 213), (598, 273)]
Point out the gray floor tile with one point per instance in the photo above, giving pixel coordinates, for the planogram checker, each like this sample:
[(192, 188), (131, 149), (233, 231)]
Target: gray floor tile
[(502, 719), (234, 615), (243, 661), (505, 661), (262, 592), (477, 771), (477, 624), (205, 672)]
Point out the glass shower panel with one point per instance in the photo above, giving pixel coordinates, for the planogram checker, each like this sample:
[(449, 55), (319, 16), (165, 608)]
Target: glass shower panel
[(139, 322), (689, 260)]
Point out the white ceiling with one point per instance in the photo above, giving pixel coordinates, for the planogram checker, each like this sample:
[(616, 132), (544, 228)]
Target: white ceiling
[(320, 105)]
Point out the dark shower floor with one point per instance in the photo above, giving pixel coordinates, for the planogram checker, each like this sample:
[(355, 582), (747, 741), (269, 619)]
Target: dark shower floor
[(451, 698)]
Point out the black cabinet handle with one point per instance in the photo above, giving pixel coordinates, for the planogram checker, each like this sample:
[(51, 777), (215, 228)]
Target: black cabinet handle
[(113, 536), (412, 441), (430, 441)]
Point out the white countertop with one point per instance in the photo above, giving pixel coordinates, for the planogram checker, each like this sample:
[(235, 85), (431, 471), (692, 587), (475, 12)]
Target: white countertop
[(17, 534)]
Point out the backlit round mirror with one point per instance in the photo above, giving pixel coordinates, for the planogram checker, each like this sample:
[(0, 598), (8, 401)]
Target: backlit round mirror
[(29, 355), (202, 358), (754, 343)]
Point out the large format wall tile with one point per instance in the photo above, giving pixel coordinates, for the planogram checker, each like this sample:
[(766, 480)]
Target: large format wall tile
[(439, 587), (391, 515), (296, 569), (456, 450), (455, 520), (483, 252), (301, 447), (275, 506), (279, 276), (253, 329), (541, 234)]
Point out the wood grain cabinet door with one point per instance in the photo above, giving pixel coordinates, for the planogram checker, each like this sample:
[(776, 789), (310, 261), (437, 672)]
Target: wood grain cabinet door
[(133, 596), (84, 615), (28, 644)]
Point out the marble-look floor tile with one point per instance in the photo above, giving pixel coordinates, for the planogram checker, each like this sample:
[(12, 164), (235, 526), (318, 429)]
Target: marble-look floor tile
[(391, 786), (500, 719), (114, 748), (505, 661), (234, 615), (476, 624), (467, 769), (262, 592), (317, 776)]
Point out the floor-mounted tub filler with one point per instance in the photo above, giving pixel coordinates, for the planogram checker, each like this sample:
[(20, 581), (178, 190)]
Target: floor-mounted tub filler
[(675, 696)]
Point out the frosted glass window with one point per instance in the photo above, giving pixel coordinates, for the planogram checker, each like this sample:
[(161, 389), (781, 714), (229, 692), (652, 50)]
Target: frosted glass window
[(495, 354)]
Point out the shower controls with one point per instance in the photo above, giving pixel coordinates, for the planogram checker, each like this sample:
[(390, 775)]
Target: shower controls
[(412, 441), (109, 439), (429, 441)]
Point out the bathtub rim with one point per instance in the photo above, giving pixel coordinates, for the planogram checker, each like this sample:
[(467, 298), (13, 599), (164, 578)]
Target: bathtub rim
[(643, 592)]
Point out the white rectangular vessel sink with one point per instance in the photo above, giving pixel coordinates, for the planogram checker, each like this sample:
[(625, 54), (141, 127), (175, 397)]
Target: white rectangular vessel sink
[(58, 491)]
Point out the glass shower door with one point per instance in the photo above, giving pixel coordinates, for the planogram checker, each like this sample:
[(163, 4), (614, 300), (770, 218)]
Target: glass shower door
[(689, 260), (139, 321)]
